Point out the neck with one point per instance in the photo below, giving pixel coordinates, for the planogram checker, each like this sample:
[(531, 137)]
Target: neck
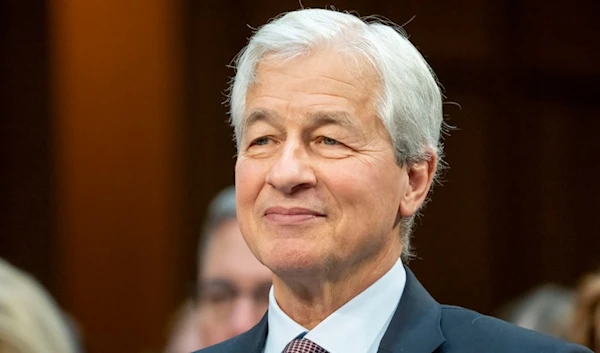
[(310, 299)]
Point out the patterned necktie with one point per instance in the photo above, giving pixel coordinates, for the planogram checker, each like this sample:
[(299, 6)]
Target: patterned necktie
[(303, 345)]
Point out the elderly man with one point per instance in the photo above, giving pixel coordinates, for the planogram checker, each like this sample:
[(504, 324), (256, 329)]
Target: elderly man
[(233, 287), (338, 123)]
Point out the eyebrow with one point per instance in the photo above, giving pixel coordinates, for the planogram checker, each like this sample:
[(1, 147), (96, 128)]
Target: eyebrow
[(316, 119), (268, 116)]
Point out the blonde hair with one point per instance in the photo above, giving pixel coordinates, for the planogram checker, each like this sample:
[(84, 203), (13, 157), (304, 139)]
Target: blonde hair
[(585, 326), (30, 321)]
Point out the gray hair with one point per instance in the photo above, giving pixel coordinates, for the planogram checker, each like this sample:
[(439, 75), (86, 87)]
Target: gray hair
[(409, 102), (220, 209)]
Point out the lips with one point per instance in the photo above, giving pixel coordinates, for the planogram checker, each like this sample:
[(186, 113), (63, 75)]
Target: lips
[(293, 215)]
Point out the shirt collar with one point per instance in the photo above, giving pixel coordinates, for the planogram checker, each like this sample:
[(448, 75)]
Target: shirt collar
[(346, 330), (282, 329)]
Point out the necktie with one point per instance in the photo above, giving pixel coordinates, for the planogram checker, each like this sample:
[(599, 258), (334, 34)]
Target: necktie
[(303, 345)]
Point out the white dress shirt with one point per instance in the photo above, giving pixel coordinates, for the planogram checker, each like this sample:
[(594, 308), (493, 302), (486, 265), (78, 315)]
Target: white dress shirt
[(358, 326)]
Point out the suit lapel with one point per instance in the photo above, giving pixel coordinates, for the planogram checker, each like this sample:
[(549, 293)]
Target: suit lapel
[(415, 326)]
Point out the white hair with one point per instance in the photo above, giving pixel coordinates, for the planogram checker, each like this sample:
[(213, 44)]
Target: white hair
[(409, 102), (30, 320)]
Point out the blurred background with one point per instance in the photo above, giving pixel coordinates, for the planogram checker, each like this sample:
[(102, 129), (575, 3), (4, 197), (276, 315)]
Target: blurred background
[(113, 139)]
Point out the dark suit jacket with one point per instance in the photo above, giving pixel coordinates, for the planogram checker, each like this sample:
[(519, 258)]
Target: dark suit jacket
[(421, 325)]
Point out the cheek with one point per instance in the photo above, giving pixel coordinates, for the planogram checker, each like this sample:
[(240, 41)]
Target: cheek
[(213, 333), (352, 181), (250, 173), (363, 189), (248, 182)]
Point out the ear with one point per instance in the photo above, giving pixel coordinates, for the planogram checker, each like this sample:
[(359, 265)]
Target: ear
[(420, 177)]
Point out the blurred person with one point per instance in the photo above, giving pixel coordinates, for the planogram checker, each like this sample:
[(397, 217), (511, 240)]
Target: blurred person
[(30, 320), (547, 309), (337, 122), (585, 324), (184, 336), (232, 286)]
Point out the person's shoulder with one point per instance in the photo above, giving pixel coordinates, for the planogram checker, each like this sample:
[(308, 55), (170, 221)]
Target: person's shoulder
[(469, 331), (249, 341), (235, 344)]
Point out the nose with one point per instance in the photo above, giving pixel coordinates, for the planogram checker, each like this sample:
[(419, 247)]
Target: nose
[(292, 170), (243, 316)]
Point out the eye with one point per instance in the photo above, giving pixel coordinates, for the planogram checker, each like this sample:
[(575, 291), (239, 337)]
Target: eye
[(328, 141), (261, 141), (217, 291), (330, 148)]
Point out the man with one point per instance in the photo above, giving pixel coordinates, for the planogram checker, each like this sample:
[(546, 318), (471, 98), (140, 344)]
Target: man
[(338, 127), (233, 286)]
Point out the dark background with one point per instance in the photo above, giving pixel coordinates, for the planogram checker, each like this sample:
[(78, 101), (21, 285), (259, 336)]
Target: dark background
[(113, 139)]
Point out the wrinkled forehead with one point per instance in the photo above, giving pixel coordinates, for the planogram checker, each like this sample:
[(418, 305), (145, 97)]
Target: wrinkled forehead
[(332, 81), (359, 65), (247, 76)]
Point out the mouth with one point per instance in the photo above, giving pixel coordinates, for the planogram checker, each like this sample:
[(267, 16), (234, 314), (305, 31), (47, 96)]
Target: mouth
[(290, 216)]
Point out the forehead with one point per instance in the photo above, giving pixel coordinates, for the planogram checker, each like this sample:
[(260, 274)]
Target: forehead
[(321, 80)]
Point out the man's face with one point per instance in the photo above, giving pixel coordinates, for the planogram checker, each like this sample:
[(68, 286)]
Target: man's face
[(234, 286), (317, 183)]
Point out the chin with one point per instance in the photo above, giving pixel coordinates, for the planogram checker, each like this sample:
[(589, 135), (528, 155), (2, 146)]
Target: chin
[(289, 259)]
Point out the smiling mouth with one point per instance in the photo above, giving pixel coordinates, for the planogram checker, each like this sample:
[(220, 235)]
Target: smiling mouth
[(290, 216)]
